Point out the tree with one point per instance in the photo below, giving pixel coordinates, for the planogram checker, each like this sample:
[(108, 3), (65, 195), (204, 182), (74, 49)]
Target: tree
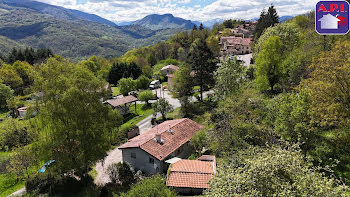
[(123, 70), (126, 85), (328, 87), (293, 119), (229, 78), (289, 34), (5, 94), (74, 125), (147, 71), (121, 172), (162, 106), (9, 76), (269, 64), (266, 19), (15, 134), (203, 64), (150, 187), (183, 87), (21, 161), (142, 82), (272, 171), (146, 96), (201, 27)]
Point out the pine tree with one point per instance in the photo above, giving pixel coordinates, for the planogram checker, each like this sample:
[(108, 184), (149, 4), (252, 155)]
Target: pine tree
[(203, 64), (266, 19), (201, 27)]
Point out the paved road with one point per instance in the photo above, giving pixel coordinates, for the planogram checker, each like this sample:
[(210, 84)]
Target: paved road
[(19, 192)]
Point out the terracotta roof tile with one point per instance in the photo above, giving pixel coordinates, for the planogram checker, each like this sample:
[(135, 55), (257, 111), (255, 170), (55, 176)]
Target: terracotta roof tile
[(192, 173), (183, 130), (189, 180), (121, 101), (193, 166)]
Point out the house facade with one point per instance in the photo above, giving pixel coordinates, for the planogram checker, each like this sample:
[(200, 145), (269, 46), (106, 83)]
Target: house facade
[(234, 46), (149, 151)]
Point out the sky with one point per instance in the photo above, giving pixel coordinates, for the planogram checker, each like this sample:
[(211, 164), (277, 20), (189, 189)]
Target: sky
[(195, 10)]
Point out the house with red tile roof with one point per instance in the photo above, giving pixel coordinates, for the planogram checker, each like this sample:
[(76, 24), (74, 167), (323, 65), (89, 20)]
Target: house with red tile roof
[(149, 151), (169, 69), (192, 176), (234, 45)]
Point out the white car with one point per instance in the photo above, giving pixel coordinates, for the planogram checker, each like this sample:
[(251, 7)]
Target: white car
[(154, 84)]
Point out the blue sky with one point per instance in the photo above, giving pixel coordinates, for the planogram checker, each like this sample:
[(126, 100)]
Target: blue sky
[(199, 10)]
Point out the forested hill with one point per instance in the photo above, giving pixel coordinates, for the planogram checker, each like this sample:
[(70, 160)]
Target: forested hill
[(157, 22), (73, 34), (56, 11)]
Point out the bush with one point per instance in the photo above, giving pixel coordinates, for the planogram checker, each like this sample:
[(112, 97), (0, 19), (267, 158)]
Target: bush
[(121, 173), (42, 183), (126, 85), (50, 183), (142, 83), (13, 133), (122, 135), (146, 96), (154, 186)]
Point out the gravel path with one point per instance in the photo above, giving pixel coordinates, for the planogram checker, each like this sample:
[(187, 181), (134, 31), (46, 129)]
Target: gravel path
[(113, 156)]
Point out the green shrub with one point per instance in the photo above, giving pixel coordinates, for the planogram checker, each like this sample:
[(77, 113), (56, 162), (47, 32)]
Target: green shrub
[(142, 82), (150, 187), (146, 96), (121, 173)]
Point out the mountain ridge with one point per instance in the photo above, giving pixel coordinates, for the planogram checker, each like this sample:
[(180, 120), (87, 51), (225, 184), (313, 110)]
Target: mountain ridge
[(164, 21)]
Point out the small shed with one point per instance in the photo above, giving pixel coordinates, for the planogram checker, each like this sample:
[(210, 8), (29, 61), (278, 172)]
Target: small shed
[(21, 112), (122, 104)]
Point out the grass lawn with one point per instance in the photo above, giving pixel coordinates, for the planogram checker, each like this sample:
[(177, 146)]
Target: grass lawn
[(115, 91), (175, 114), (8, 185), (142, 112)]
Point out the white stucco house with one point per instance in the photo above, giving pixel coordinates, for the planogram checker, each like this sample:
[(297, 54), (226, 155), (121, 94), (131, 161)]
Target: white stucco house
[(149, 151)]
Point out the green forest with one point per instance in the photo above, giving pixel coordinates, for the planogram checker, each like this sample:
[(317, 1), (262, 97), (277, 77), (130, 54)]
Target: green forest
[(279, 127)]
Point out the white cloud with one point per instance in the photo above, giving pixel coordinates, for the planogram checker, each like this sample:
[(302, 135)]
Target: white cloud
[(129, 10)]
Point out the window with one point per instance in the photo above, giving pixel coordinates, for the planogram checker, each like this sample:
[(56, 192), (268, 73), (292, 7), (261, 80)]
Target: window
[(151, 160), (133, 155)]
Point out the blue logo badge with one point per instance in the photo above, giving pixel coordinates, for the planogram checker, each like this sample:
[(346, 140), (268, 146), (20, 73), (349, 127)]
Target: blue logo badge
[(332, 17)]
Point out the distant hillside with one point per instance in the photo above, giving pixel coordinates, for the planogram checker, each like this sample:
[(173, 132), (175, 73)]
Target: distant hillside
[(56, 11), (73, 34), (166, 21)]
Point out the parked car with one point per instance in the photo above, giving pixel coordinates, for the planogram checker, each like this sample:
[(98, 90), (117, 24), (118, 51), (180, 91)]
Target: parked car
[(154, 84)]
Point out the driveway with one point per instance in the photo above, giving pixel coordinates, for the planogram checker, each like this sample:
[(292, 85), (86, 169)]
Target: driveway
[(113, 156)]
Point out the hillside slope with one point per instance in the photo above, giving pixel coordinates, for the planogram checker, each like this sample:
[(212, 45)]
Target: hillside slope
[(157, 22), (70, 36)]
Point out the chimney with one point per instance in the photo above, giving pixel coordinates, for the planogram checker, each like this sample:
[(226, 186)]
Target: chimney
[(159, 138)]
